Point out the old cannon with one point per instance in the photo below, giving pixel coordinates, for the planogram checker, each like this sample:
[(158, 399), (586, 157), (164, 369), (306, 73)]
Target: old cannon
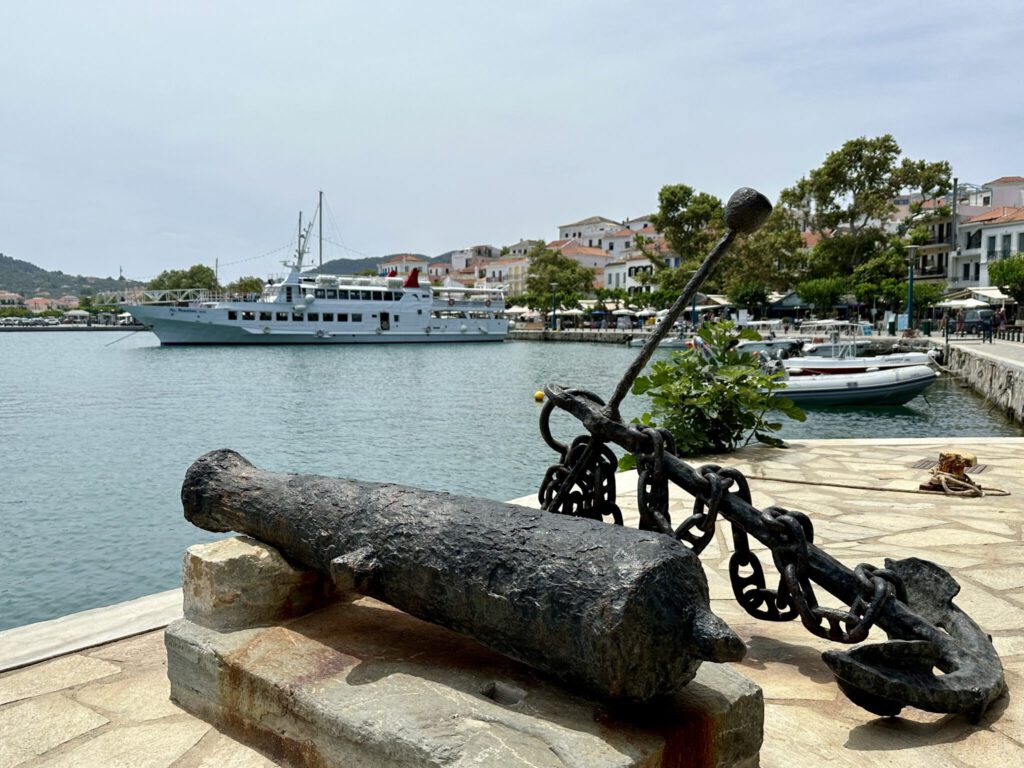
[(621, 613)]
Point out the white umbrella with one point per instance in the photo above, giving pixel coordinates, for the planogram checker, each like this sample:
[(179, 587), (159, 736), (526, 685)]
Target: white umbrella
[(517, 310), (645, 313), (973, 303), (571, 312), (623, 312)]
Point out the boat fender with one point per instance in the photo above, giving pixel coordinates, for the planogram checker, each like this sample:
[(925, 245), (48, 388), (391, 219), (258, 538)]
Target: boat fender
[(794, 371), (266, 329), (487, 302), (463, 328), (319, 334), (451, 302), (871, 370)]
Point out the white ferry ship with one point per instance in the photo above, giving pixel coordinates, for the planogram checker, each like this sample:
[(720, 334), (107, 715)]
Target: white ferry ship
[(325, 309)]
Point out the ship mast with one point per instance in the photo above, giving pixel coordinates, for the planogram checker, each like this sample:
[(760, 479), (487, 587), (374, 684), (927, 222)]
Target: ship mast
[(320, 221)]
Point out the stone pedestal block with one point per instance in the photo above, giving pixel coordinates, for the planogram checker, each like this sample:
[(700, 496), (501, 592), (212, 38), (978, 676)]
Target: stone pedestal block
[(239, 582), (364, 684)]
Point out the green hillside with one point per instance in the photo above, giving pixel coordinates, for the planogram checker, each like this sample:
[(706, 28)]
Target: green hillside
[(29, 280)]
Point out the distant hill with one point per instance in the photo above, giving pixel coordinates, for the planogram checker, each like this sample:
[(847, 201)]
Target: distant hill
[(29, 280), (352, 266)]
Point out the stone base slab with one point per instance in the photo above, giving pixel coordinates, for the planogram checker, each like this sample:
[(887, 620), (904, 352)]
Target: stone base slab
[(362, 684)]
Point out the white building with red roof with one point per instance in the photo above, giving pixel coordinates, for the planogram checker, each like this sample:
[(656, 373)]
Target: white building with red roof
[(589, 232), (402, 264), (986, 238)]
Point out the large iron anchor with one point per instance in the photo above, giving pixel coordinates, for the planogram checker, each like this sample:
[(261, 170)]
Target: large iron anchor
[(936, 658)]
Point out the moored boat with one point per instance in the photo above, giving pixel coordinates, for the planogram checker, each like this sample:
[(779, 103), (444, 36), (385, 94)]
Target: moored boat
[(304, 308), (838, 365), (894, 386)]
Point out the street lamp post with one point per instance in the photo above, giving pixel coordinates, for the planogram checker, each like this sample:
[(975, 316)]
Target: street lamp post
[(911, 257), (554, 317)]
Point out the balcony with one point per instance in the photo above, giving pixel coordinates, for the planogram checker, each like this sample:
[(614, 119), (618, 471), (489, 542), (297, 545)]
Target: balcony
[(1003, 253)]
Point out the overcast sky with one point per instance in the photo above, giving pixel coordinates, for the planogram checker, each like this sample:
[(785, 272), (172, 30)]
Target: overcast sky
[(147, 136)]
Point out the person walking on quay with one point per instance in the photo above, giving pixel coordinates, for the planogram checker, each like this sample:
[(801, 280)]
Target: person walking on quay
[(959, 322), (986, 329), (1001, 319)]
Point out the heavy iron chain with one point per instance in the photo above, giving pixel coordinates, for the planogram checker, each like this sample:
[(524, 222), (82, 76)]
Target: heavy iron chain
[(582, 483)]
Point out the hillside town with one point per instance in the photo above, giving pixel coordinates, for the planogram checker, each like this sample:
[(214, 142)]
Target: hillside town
[(958, 237)]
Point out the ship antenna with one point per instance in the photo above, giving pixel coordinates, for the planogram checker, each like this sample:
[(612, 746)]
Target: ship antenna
[(320, 221)]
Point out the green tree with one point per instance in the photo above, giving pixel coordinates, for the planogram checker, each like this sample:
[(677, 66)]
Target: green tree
[(749, 295), (843, 252), (549, 268), (926, 296), (246, 285), (822, 293), (772, 256), (690, 222), (880, 279), (196, 276), (1009, 274), (854, 188)]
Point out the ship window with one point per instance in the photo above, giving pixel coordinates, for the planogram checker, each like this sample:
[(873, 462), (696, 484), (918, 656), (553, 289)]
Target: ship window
[(320, 293), (343, 295), (357, 317), (282, 317), (342, 317), (264, 316), (296, 317), (395, 318), (313, 317), (248, 315), (366, 295), (332, 294), (419, 311), (328, 317), (377, 296), (232, 315)]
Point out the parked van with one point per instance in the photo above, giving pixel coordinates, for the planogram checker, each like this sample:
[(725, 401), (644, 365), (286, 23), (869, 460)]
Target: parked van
[(973, 319)]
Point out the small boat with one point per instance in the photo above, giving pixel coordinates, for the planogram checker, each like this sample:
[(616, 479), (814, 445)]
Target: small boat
[(803, 366), (306, 308), (893, 386), (835, 338)]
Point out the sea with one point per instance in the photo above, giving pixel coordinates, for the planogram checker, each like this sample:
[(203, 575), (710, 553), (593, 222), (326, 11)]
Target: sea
[(98, 429)]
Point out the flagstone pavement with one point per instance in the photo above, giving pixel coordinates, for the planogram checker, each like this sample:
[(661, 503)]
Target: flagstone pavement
[(108, 705)]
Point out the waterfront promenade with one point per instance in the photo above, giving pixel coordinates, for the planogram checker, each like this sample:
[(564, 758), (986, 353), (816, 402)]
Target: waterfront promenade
[(108, 705)]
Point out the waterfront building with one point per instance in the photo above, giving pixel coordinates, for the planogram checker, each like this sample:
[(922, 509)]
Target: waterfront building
[(8, 299), (509, 271), (985, 239), (522, 248), (401, 264), (589, 232)]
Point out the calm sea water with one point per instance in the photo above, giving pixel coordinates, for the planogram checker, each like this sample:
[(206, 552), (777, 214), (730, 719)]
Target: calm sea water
[(95, 438)]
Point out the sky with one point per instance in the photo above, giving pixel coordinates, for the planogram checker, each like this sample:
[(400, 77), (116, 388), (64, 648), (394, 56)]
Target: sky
[(137, 137)]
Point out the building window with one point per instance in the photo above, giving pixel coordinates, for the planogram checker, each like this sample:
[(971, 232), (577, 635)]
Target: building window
[(1006, 246), (1020, 242), (967, 270), (232, 315), (977, 270), (991, 245)]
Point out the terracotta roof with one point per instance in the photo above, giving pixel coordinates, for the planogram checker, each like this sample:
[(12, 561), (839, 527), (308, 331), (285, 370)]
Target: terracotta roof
[(559, 243), (403, 258), (1002, 215), (1008, 180), (581, 250), (811, 239), (591, 220)]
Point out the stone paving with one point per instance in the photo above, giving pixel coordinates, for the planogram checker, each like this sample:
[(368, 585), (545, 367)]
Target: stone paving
[(108, 706)]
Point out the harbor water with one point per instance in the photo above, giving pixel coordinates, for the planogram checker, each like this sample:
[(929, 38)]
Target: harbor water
[(97, 431)]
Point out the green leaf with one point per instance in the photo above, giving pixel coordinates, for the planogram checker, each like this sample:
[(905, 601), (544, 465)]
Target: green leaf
[(627, 462)]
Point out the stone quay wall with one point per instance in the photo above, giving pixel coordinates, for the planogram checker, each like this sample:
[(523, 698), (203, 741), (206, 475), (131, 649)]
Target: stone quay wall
[(1000, 381)]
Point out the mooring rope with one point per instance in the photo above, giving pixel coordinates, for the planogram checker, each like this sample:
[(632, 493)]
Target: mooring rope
[(948, 482)]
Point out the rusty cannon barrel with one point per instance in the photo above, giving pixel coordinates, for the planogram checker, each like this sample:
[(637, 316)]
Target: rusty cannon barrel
[(621, 613)]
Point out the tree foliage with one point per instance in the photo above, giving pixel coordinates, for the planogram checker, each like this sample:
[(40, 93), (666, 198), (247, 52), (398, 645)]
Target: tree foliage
[(246, 285), (822, 293), (196, 276), (712, 398), (772, 256), (880, 279), (1009, 273), (549, 268), (749, 295), (852, 192), (690, 222)]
